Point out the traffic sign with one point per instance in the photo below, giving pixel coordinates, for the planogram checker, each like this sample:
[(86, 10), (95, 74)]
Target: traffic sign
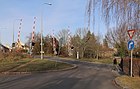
[(131, 33), (130, 45)]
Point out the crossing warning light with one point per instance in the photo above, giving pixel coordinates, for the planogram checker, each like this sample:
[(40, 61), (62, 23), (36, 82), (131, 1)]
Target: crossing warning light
[(33, 43)]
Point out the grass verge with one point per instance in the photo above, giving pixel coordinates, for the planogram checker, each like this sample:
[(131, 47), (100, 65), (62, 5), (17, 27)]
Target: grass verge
[(105, 61), (8, 65), (129, 82), (42, 65)]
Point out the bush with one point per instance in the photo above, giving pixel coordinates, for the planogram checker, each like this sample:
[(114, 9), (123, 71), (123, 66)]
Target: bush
[(127, 66), (136, 67), (64, 52), (12, 56)]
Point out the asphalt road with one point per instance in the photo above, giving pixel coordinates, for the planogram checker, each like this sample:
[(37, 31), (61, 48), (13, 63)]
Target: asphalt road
[(86, 76)]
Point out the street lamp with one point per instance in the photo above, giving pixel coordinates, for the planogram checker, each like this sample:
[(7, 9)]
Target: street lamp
[(42, 31), (48, 3)]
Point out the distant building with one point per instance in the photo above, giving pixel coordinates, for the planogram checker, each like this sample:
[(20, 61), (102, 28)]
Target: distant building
[(20, 47), (4, 48)]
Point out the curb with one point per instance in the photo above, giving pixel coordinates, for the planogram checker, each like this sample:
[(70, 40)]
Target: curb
[(117, 84), (16, 73)]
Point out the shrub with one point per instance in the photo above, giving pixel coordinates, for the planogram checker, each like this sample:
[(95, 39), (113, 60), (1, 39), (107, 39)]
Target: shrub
[(12, 56), (127, 66)]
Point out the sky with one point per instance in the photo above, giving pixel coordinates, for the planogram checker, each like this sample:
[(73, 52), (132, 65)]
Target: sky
[(62, 14)]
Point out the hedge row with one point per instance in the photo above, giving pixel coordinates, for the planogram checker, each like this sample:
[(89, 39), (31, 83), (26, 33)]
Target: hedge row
[(126, 66)]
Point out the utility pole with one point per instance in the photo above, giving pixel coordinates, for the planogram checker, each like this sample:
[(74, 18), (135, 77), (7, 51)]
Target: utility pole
[(41, 36), (42, 31)]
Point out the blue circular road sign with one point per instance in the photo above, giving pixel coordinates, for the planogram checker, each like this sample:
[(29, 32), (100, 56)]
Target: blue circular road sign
[(130, 45)]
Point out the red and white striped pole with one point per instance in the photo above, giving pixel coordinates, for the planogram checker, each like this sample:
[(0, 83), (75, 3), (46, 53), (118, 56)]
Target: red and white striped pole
[(69, 43), (54, 45), (19, 30), (33, 33), (33, 37)]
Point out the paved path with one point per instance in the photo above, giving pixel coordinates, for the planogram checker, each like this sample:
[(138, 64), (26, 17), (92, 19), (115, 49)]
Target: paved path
[(86, 76)]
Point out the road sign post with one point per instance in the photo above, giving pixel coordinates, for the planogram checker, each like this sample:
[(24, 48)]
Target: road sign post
[(131, 72), (131, 47)]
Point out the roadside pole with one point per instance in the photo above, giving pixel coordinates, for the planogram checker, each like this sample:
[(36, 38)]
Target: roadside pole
[(131, 47), (77, 55), (131, 63)]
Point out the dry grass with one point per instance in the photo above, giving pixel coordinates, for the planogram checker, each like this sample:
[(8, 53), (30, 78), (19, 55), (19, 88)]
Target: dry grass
[(43, 65), (104, 61), (8, 65), (36, 65), (12, 62), (129, 82)]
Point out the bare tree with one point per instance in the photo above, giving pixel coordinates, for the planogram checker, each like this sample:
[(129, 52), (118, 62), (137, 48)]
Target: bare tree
[(63, 38), (63, 34), (81, 32), (117, 38), (118, 11)]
